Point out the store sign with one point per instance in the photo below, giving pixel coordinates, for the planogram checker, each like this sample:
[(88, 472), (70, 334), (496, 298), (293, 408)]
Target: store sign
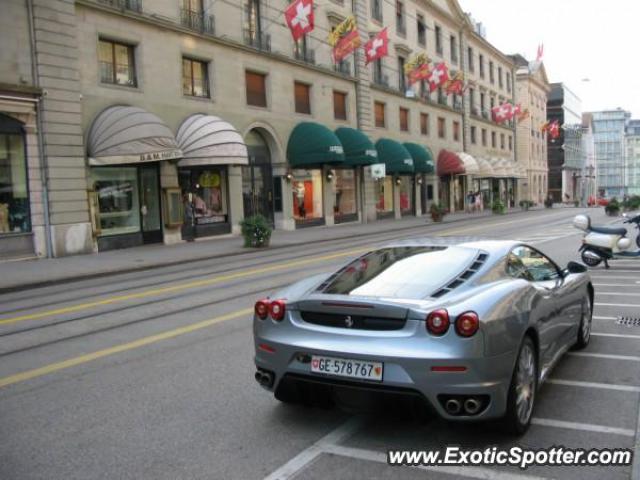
[(371, 153), (408, 161), (378, 170), (155, 156), (336, 149)]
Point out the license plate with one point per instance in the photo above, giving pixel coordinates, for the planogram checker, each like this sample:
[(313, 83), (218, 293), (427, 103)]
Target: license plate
[(344, 367)]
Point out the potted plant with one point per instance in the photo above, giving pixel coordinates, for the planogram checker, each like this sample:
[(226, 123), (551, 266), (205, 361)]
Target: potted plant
[(256, 231), (437, 212), (576, 203), (613, 207), (498, 207), (526, 204)]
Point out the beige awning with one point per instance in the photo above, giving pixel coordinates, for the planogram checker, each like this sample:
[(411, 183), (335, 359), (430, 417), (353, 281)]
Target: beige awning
[(470, 164), (209, 140), (123, 134), (499, 167), (486, 170)]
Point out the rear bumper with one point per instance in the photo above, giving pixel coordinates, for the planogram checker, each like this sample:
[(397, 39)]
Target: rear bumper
[(407, 368)]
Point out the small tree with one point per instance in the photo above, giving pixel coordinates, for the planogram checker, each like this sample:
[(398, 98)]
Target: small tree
[(498, 207), (256, 231), (437, 212)]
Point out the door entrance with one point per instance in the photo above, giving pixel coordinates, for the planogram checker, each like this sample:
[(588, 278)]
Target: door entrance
[(150, 215), (257, 181)]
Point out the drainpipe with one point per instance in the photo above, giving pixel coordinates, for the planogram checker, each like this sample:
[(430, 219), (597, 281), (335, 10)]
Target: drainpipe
[(39, 123)]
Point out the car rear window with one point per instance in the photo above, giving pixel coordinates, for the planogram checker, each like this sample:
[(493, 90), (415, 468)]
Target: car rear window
[(400, 272)]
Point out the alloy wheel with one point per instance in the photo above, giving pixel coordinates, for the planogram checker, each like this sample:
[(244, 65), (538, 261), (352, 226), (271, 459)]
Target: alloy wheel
[(525, 383)]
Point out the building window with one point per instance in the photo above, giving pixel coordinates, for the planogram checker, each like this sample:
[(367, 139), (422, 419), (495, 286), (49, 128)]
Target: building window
[(118, 200), (344, 192), (253, 22), (484, 137), (379, 112), (492, 103), (424, 123), (208, 189), (493, 139), (500, 84), (339, 105), (472, 101), (195, 78), (456, 131), (404, 119), (376, 10), (491, 75), (510, 143), (117, 64), (481, 65), (442, 128), (453, 46), (401, 26), (508, 82), (302, 93), (422, 30), (482, 102), (402, 84), (502, 141), (470, 59), (256, 89), (14, 193), (307, 194), (438, 32), (472, 131)]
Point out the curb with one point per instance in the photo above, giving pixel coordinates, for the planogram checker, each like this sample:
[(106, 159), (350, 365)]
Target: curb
[(142, 268)]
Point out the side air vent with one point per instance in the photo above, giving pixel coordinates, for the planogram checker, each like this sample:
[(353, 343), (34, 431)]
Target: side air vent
[(463, 277)]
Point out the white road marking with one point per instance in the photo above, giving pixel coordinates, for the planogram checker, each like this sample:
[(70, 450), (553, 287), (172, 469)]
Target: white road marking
[(458, 472), (616, 305), (605, 355), (586, 427), (626, 285), (603, 386), (597, 317), (625, 294), (609, 277), (297, 463), (617, 335)]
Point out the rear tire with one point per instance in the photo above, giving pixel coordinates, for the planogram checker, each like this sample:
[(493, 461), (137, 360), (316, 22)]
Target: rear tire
[(523, 390), (584, 330), (588, 261)]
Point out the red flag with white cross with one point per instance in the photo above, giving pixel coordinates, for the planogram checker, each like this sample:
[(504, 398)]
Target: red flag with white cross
[(439, 75), (299, 17), (377, 47)]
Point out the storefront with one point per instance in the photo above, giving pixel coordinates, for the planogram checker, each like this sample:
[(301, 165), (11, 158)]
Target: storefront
[(424, 169), (211, 148), (499, 182), (126, 146), (359, 152), (15, 218), (395, 192), (483, 184), (468, 186), (450, 168), (314, 153)]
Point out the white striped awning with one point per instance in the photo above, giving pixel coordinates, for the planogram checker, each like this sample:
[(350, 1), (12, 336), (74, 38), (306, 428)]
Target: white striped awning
[(470, 164), (209, 140), (486, 170), (500, 168), (124, 134)]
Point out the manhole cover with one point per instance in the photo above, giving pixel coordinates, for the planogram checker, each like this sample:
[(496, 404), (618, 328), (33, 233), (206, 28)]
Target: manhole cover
[(628, 321)]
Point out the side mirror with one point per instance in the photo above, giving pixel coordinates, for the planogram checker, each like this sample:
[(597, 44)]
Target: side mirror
[(575, 267)]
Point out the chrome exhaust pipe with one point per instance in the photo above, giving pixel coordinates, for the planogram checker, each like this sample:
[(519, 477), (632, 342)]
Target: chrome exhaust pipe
[(259, 377), (452, 406), (471, 406), (267, 379)]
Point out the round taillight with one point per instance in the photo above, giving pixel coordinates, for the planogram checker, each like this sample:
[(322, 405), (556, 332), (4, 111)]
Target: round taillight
[(262, 308), (467, 324), (438, 322), (276, 309)]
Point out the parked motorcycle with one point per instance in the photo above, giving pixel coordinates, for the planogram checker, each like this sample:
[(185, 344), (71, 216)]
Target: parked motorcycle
[(601, 244)]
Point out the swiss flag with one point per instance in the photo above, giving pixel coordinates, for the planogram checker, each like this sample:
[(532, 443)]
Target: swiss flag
[(299, 17), (554, 129), (377, 47), (501, 112), (439, 75)]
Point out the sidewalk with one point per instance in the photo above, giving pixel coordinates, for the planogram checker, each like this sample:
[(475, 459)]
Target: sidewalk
[(19, 275)]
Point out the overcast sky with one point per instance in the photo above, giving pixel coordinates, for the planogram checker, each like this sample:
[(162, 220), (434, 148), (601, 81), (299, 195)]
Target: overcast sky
[(583, 39)]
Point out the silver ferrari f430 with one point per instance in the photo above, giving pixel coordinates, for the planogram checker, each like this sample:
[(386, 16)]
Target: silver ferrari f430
[(472, 328)]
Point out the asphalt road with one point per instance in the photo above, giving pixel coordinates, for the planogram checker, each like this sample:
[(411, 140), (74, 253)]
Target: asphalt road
[(149, 375)]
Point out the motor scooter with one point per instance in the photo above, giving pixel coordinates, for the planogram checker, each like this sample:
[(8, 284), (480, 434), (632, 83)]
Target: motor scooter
[(601, 244)]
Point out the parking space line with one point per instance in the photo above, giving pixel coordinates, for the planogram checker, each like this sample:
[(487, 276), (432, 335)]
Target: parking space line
[(586, 427), (616, 305), (605, 355), (617, 335), (604, 386), (615, 285), (598, 317), (620, 294), (609, 277), (458, 472), (308, 455)]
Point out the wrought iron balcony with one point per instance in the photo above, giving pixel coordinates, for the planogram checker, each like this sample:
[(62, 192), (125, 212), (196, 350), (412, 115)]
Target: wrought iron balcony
[(343, 67), (133, 5), (306, 55), (381, 80), (257, 39), (197, 21), (442, 100)]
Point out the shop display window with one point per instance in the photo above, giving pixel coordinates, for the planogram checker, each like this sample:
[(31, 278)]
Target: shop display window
[(118, 202), (306, 187), (406, 194), (344, 189), (385, 195), (14, 195), (204, 195)]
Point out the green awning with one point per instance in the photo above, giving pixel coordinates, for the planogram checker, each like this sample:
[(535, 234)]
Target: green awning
[(422, 157), (358, 149), (396, 158), (312, 144)]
